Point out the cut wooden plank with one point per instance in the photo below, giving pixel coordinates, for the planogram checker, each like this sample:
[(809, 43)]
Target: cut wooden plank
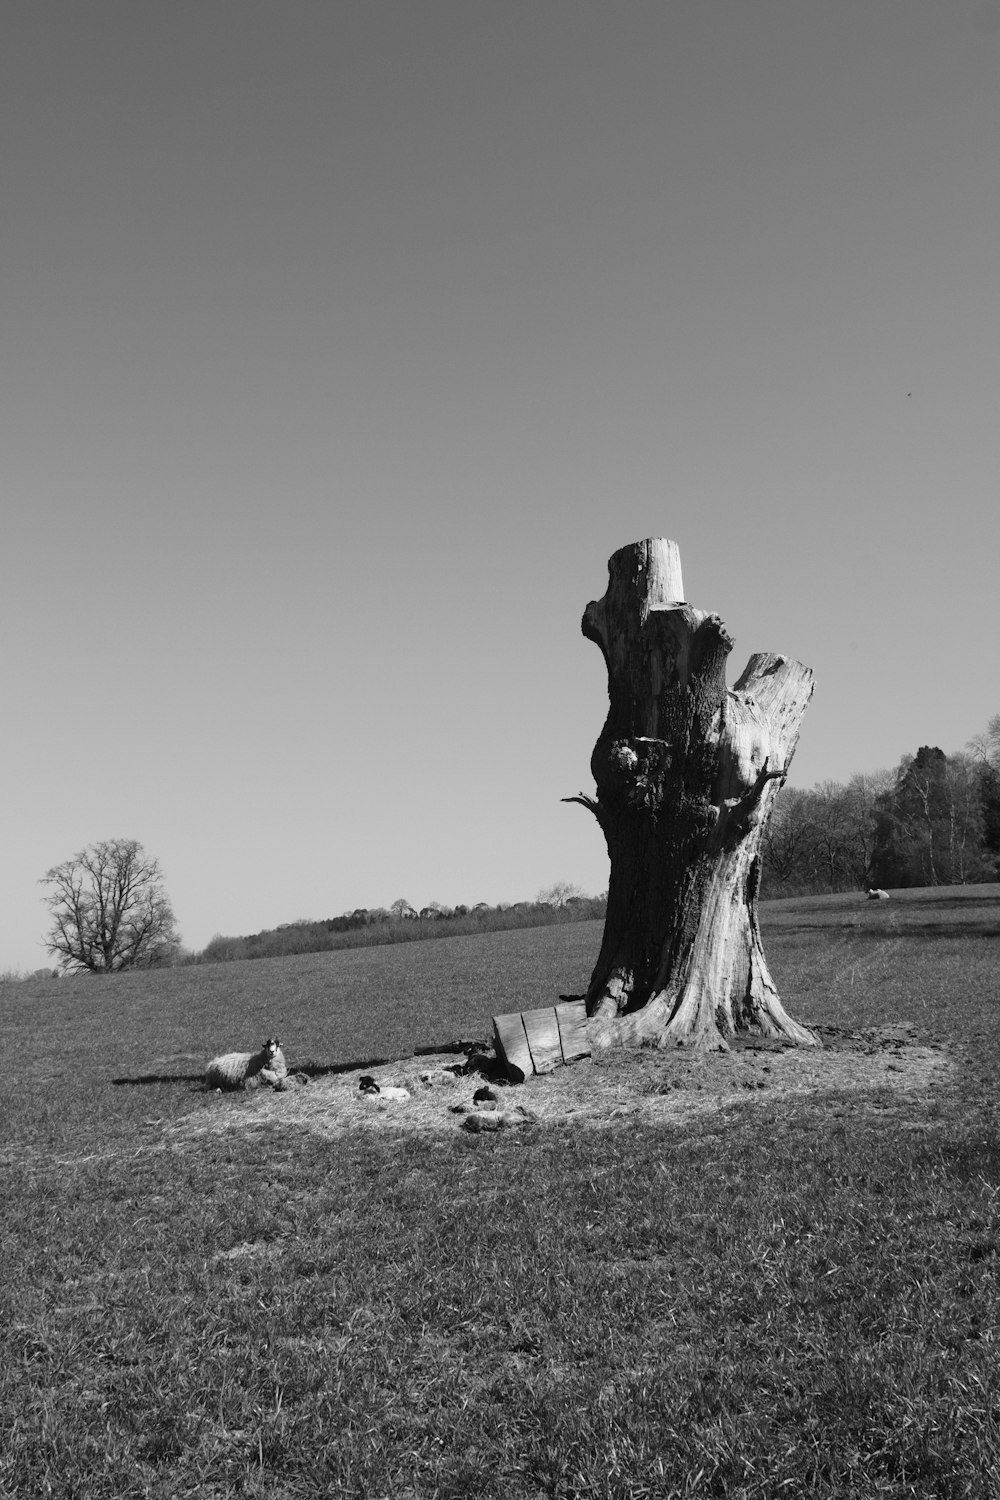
[(572, 1018), (542, 1030), (512, 1046)]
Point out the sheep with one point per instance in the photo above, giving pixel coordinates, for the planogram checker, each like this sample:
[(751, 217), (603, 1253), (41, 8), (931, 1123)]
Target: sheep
[(248, 1070), (369, 1085), (439, 1077), (498, 1119)]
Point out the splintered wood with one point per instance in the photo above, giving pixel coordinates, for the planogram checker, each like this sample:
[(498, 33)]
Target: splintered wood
[(539, 1041)]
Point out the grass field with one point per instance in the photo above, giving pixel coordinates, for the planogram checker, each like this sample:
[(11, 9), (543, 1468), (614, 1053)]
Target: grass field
[(796, 1294)]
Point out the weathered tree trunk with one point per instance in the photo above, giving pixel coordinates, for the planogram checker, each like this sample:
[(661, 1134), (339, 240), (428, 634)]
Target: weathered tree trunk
[(686, 773)]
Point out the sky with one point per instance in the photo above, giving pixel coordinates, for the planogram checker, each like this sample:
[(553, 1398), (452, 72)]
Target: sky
[(344, 342)]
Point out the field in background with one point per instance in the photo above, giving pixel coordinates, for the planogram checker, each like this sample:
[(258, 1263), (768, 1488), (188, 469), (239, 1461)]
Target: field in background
[(786, 1298)]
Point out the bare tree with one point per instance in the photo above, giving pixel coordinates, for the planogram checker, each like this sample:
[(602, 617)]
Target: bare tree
[(985, 750), (861, 800), (559, 893), (110, 910), (830, 832), (785, 839), (967, 857), (985, 747)]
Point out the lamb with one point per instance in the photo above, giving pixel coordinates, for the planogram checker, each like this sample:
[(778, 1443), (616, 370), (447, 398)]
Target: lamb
[(248, 1070), (439, 1077), (370, 1086)]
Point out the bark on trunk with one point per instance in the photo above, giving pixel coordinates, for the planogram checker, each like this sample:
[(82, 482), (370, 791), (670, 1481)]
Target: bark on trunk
[(686, 774)]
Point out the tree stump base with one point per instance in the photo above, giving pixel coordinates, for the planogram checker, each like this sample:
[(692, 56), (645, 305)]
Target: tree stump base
[(686, 773)]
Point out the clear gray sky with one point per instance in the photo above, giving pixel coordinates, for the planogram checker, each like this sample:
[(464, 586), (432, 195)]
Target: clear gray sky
[(344, 342)]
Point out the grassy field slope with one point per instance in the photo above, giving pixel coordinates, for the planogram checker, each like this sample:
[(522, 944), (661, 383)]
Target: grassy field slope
[(784, 1295)]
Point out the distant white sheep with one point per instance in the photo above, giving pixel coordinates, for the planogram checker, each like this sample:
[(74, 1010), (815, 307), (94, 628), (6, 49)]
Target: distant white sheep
[(876, 895), (248, 1070)]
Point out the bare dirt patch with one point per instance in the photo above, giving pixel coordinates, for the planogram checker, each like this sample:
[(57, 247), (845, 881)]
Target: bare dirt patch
[(883, 1069)]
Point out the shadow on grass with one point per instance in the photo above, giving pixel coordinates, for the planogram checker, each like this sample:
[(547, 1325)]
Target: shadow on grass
[(904, 929), (969, 1161), (955, 897), (480, 1061), (311, 1070)]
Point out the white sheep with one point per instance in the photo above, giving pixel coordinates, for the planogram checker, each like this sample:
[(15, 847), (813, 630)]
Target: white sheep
[(248, 1070)]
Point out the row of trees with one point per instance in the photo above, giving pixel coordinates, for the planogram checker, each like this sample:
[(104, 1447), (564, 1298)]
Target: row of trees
[(403, 923), (935, 820)]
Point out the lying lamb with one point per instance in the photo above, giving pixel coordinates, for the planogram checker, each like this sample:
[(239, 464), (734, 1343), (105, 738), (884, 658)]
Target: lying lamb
[(248, 1070), (369, 1085)]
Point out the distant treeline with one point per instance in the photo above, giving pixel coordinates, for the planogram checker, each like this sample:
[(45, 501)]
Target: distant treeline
[(365, 928), (934, 820)]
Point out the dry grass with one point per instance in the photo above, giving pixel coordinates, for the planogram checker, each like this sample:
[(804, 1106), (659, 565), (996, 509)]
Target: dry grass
[(885, 1068)]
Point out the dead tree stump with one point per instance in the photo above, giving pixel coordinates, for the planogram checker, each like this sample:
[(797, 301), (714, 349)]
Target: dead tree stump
[(686, 773)]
